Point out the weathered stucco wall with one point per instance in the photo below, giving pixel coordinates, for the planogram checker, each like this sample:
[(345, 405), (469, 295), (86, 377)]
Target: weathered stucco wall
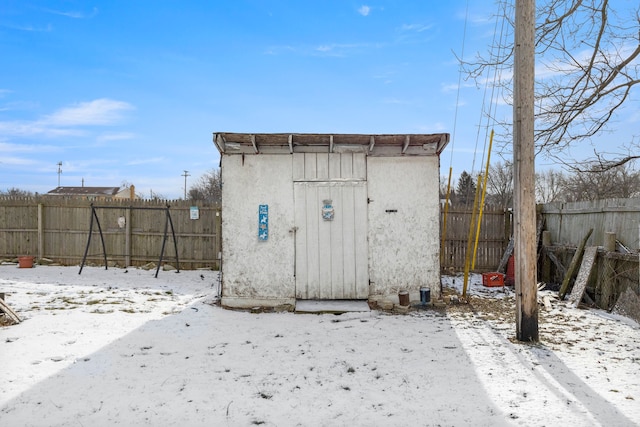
[(404, 247), (401, 220), (257, 272)]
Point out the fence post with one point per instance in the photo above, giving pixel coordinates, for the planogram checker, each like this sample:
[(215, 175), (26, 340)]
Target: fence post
[(546, 266), (610, 241), (607, 282), (40, 231), (507, 229), (127, 238), (218, 240)]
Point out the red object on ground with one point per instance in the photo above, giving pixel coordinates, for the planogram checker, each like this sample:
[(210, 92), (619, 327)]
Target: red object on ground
[(493, 279), (511, 271), (25, 262)]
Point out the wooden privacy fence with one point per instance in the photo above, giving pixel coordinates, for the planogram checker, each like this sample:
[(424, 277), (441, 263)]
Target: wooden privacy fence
[(133, 231), (495, 231), (615, 238), (58, 229), (568, 222)]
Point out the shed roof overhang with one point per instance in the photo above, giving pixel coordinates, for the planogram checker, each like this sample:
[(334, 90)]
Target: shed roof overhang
[(372, 145)]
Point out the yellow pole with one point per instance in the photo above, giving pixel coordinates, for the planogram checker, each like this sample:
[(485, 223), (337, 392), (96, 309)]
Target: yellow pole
[(467, 256), (484, 192)]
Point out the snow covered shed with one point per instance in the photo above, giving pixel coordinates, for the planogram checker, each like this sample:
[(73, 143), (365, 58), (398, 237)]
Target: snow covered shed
[(324, 217)]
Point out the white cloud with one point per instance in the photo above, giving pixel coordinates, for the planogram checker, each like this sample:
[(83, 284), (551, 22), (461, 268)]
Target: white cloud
[(74, 14), (17, 161), (115, 136), (342, 49), (277, 50), (25, 129), (146, 161), (452, 87), (364, 10), (29, 27), (418, 28), (67, 121), (24, 148), (102, 111)]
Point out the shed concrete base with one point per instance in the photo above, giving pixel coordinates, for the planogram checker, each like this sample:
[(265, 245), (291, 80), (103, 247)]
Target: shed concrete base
[(278, 304), (331, 306)]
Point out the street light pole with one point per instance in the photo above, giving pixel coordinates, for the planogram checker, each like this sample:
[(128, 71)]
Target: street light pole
[(59, 172), (185, 174)]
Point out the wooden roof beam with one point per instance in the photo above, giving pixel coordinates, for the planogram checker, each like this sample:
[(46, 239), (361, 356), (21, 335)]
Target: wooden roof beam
[(219, 141), (255, 146), (444, 140), (407, 139)]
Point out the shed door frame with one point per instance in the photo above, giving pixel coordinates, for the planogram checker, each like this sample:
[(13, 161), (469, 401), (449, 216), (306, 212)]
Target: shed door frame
[(331, 256)]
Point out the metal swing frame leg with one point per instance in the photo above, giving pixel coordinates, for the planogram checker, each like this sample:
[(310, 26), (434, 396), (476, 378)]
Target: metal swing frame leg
[(94, 215)]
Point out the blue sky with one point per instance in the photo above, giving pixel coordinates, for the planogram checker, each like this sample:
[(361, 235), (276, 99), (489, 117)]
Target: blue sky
[(131, 91)]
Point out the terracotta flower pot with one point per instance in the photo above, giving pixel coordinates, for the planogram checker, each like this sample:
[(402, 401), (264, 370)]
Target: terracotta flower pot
[(25, 262)]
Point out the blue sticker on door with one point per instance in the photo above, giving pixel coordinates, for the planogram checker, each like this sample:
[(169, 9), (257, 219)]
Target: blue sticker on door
[(263, 222)]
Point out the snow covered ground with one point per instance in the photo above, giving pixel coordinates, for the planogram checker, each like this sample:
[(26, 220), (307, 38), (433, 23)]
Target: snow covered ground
[(120, 347)]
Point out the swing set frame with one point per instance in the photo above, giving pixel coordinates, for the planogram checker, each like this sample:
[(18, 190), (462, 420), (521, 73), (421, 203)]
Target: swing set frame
[(168, 222)]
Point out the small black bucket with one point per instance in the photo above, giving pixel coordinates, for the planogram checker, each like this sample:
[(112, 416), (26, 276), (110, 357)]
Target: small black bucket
[(425, 295)]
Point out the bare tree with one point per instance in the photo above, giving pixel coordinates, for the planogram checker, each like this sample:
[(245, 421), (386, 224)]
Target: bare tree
[(618, 182), (208, 187), (156, 196), (549, 186), (500, 184), (587, 55), (16, 192), (445, 186)]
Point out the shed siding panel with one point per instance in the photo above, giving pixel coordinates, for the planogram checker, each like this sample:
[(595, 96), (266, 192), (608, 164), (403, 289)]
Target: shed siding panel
[(403, 224), (301, 244), (329, 167), (298, 166), (339, 250), (322, 166), (254, 268), (334, 165), (359, 166), (360, 245), (346, 166), (312, 250)]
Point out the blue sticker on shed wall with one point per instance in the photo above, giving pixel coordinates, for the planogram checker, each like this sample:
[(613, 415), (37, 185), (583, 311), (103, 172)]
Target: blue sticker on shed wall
[(263, 222)]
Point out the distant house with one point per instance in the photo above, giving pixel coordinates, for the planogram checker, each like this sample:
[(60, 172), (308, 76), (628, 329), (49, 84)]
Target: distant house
[(94, 193)]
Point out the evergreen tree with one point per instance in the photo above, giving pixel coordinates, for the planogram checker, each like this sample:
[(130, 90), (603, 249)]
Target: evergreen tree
[(466, 189)]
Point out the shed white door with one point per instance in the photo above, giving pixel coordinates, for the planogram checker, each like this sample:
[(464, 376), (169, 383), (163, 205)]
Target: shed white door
[(331, 255)]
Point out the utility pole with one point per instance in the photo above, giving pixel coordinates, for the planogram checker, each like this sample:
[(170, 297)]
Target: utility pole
[(59, 172), (185, 174), (524, 202)]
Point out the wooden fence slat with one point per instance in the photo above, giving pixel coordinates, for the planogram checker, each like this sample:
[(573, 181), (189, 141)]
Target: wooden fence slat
[(583, 276), (573, 265), (58, 229), (8, 311)]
